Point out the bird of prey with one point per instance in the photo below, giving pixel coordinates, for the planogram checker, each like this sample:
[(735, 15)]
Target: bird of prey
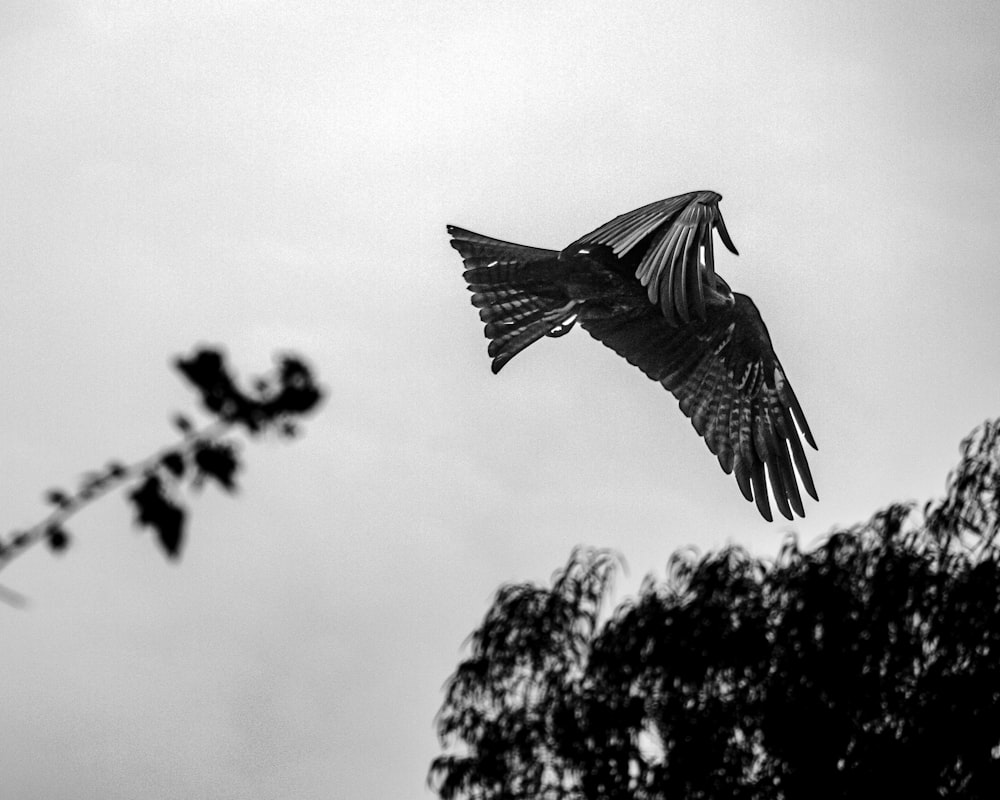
[(645, 285)]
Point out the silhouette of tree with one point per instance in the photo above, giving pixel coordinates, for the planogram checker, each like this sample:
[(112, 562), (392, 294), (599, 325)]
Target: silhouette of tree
[(276, 403), (868, 666)]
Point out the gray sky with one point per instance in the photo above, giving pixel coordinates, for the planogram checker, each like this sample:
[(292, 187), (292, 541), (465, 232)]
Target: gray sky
[(278, 176)]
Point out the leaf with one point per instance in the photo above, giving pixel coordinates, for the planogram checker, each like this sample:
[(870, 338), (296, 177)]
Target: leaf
[(291, 391), (206, 371), (58, 539), (156, 510), (217, 460), (299, 393), (57, 497), (173, 462)]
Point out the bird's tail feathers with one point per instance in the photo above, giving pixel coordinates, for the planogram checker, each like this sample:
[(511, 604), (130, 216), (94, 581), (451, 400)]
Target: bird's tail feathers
[(518, 321), (516, 290)]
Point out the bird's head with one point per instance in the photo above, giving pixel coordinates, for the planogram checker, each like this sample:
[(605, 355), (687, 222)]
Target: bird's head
[(720, 295)]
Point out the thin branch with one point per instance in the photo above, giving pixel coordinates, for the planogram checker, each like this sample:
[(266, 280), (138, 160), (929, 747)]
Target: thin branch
[(274, 405), (114, 477)]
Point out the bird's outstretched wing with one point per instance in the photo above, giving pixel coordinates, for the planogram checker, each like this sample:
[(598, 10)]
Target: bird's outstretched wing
[(670, 235), (728, 380)]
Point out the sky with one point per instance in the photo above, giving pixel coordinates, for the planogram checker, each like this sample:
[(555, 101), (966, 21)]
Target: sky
[(277, 177)]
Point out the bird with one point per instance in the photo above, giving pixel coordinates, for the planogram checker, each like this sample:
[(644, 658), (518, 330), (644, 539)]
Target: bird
[(645, 285)]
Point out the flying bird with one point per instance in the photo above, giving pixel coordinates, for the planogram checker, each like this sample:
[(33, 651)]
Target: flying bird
[(645, 285)]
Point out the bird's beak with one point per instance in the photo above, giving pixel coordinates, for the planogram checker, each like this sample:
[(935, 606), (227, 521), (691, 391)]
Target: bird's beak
[(720, 226)]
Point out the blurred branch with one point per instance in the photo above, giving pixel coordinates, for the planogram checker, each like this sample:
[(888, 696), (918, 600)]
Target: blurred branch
[(276, 403)]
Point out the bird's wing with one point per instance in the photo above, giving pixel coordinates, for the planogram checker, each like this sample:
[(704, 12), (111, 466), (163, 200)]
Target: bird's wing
[(728, 380), (670, 235)]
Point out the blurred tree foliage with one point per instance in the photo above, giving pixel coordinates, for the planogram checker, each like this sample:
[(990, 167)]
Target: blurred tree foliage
[(275, 403), (868, 666)]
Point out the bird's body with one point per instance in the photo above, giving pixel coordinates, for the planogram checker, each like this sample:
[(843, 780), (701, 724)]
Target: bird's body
[(644, 284)]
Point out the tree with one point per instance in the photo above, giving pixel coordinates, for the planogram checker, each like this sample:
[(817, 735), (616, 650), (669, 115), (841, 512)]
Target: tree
[(276, 403), (868, 666)]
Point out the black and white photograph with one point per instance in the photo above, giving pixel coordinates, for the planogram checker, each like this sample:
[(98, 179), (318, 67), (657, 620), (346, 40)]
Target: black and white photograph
[(499, 400)]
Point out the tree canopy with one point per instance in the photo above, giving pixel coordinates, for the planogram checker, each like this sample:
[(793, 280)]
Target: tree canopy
[(868, 665)]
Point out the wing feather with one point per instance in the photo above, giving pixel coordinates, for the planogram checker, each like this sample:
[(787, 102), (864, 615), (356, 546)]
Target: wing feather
[(646, 271), (688, 277), (720, 442), (729, 382), (767, 451), (626, 230), (671, 236), (709, 243), (742, 472), (760, 489)]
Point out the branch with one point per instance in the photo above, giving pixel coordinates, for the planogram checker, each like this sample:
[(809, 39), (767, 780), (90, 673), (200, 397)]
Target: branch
[(275, 404)]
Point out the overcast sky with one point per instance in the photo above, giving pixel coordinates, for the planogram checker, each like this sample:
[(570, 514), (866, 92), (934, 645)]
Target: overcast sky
[(274, 176)]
